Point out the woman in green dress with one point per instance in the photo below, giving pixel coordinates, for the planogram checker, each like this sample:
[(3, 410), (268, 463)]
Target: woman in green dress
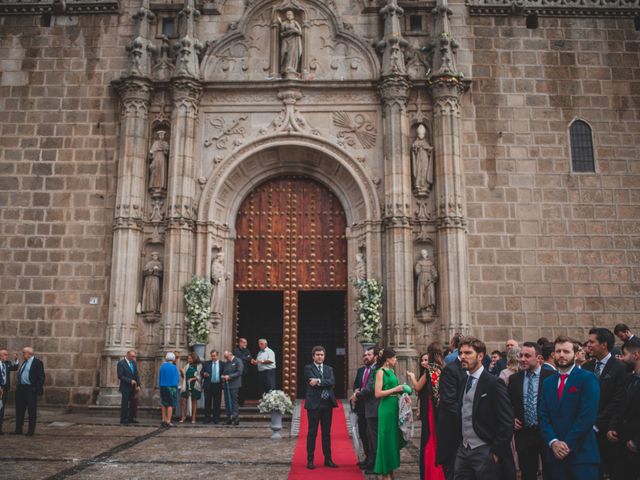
[(191, 387), (390, 439)]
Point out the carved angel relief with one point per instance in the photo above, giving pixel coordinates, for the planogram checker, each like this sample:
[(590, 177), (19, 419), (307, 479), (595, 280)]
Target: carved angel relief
[(359, 128)]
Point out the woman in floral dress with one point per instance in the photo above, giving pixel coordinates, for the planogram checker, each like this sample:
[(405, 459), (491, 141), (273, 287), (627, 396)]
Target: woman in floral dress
[(191, 388), (428, 388)]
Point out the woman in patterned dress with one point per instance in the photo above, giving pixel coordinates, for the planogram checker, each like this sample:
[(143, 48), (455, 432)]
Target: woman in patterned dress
[(191, 388)]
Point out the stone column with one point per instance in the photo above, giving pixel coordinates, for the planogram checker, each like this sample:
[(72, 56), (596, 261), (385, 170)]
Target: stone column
[(181, 209), (447, 87), (135, 95), (398, 236)]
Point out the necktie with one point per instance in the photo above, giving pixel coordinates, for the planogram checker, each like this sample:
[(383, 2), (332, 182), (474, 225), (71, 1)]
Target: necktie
[(529, 402), (20, 372), (320, 370), (133, 369), (469, 384), (214, 372), (598, 369), (563, 379), (3, 380), (365, 377)]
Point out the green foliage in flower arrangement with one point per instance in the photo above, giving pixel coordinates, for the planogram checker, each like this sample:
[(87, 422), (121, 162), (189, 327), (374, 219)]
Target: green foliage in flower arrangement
[(368, 310), (197, 294), (275, 400)]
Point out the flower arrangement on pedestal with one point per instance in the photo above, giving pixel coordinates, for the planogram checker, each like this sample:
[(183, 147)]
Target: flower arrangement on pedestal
[(197, 295), (275, 401), (368, 310)]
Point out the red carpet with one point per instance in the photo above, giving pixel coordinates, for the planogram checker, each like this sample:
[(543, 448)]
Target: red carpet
[(341, 450)]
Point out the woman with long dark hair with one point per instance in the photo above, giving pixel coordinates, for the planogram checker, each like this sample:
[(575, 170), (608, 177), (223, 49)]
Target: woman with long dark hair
[(431, 364), (390, 439)]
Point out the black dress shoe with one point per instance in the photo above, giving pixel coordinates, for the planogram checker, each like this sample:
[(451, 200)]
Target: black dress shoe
[(369, 471), (228, 422), (330, 464), (310, 465), (134, 421), (236, 421), (29, 434)]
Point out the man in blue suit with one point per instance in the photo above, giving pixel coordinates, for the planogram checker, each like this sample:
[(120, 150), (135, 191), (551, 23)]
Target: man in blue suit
[(568, 412)]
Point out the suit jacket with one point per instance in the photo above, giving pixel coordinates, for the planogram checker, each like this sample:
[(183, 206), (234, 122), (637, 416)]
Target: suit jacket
[(36, 375), (516, 392), (367, 396), (571, 419), (492, 415), (206, 368), (327, 382), (9, 367), (626, 416), (357, 383), (452, 381), (234, 369), (611, 379), (125, 375)]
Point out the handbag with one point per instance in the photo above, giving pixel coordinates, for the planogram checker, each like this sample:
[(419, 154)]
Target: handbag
[(405, 417)]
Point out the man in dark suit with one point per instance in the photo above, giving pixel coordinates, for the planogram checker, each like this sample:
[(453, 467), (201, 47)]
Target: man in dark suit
[(485, 418), (212, 386), (232, 376), (623, 332), (568, 412), (452, 382), (362, 376), (548, 352), (625, 423), (319, 404), (367, 395), (30, 385), (5, 379), (127, 370), (243, 353), (524, 388), (611, 374)]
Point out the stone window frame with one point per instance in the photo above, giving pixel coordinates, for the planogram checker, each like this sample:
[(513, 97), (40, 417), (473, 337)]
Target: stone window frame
[(595, 170)]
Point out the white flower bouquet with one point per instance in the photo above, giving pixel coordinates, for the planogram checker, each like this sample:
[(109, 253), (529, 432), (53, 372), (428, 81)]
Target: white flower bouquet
[(197, 301), (369, 310), (275, 400)]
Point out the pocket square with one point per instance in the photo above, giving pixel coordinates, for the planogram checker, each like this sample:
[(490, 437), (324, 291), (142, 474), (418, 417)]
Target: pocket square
[(483, 395), (573, 390)]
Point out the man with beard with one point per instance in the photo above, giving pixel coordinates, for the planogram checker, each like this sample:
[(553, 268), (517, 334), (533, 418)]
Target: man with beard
[(611, 374), (486, 420), (360, 382), (568, 412), (625, 423)]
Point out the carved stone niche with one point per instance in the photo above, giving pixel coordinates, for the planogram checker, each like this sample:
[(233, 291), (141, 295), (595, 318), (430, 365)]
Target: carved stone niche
[(426, 282), (158, 160), (321, 47), (422, 160), (150, 304)]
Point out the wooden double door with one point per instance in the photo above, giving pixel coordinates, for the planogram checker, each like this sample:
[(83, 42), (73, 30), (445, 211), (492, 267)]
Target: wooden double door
[(290, 276)]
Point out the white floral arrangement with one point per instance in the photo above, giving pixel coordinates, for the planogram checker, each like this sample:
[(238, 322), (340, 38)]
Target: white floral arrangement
[(197, 295), (368, 310), (275, 401)]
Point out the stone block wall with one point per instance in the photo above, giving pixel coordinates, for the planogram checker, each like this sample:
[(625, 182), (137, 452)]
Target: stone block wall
[(58, 127), (551, 252)]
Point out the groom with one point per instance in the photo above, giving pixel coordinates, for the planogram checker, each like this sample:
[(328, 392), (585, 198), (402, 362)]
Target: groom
[(319, 403)]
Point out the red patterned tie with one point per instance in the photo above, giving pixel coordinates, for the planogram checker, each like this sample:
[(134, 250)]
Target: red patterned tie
[(563, 379)]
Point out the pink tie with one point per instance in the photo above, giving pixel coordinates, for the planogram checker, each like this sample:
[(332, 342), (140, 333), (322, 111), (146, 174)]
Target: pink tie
[(563, 379), (365, 377)]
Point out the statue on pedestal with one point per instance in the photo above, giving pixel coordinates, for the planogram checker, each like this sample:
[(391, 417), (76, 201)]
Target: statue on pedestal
[(152, 273), (426, 277), (158, 161), (290, 45), (218, 278), (422, 163)]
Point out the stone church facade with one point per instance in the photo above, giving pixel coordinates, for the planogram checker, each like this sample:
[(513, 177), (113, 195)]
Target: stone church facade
[(284, 148)]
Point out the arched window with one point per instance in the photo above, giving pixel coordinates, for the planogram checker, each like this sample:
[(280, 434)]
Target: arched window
[(582, 159)]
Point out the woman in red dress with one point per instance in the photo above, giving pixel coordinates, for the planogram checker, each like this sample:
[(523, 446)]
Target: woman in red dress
[(431, 364)]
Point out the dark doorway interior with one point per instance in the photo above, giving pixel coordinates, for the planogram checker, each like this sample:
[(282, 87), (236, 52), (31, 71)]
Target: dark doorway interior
[(321, 321), (259, 315)]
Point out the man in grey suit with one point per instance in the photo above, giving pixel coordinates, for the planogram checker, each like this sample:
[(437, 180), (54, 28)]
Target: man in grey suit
[(5, 379), (232, 376), (367, 395)]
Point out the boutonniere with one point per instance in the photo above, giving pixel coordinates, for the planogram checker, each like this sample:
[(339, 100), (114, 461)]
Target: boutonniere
[(573, 390)]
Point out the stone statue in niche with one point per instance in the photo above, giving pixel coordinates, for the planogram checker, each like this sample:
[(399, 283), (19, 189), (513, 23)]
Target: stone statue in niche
[(158, 163), (422, 163), (290, 45), (426, 277), (152, 273), (218, 281), (359, 269)]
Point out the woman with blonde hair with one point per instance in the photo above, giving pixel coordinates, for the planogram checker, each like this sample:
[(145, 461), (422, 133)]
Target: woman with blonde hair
[(191, 387), (513, 364)]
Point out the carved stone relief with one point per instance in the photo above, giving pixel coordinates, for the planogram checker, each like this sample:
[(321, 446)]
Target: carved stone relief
[(356, 132), (218, 277), (222, 129)]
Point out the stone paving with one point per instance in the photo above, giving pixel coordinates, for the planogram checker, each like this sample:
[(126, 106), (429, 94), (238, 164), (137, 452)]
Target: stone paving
[(94, 446)]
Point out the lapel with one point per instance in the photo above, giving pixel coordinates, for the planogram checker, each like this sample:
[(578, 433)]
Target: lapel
[(481, 389), (518, 380), (606, 368), (568, 384), (544, 374)]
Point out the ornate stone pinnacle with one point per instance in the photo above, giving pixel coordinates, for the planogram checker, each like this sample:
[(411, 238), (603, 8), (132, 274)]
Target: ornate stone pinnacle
[(141, 49), (443, 47), (188, 47), (392, 44)]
